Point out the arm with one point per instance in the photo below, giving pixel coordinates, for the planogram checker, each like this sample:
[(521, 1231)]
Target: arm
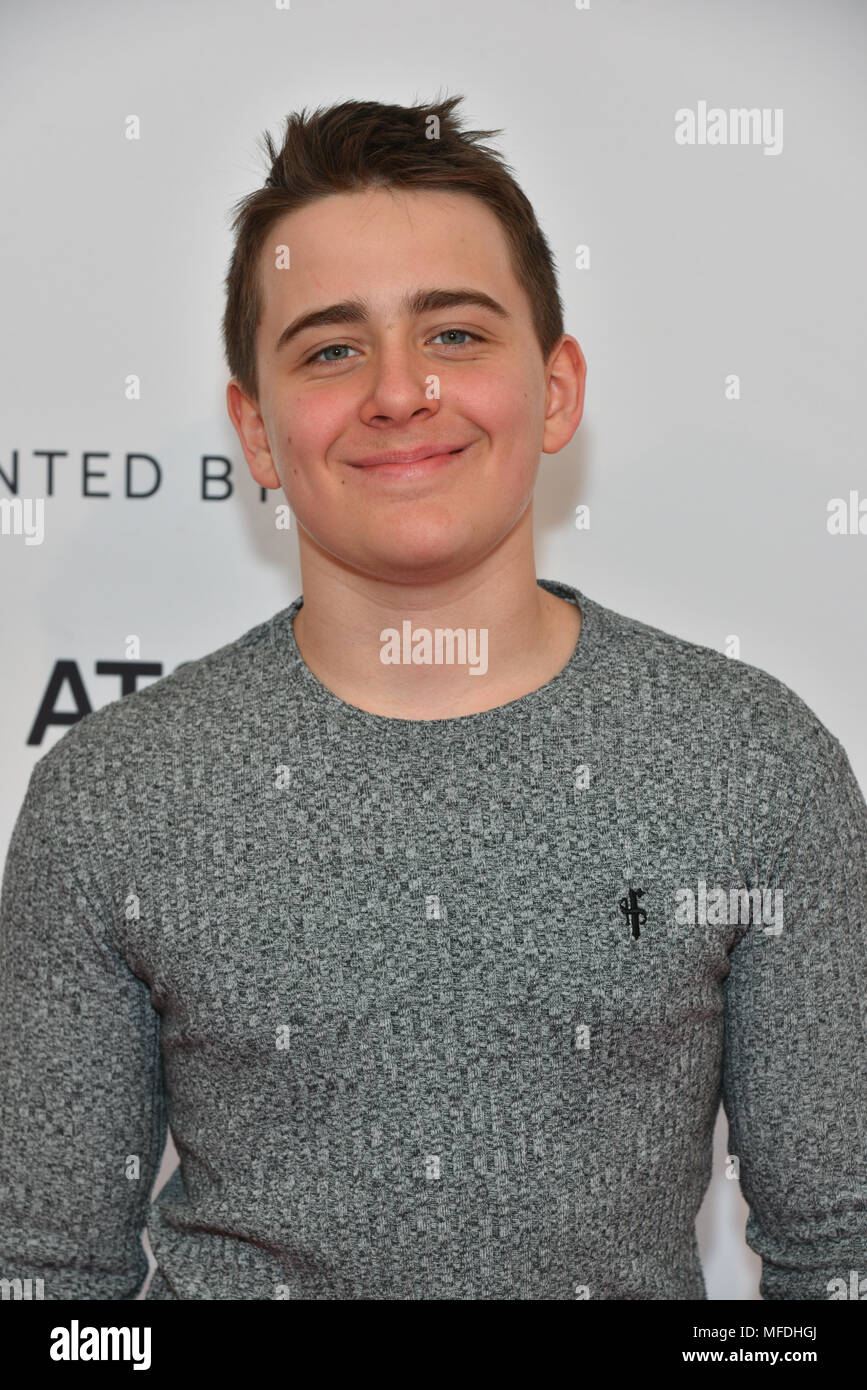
[(795, 1061), (80, 1074)]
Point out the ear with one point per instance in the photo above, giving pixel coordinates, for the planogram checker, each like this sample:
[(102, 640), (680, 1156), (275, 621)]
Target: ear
[(250, 427), (566, 379)]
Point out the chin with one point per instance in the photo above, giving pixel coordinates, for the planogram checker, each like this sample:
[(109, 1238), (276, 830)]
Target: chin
[(406, 547), (413, 564)]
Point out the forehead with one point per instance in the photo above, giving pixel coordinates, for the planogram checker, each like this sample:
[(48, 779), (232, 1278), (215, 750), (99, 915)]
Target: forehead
[(381, 241)]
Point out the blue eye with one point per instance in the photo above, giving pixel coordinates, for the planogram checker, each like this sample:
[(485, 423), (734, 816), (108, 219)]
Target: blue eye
[(475, 336), (334, 347), (330, 348)]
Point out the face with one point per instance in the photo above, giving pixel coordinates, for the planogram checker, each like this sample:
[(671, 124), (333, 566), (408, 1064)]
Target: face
[(404, 373)]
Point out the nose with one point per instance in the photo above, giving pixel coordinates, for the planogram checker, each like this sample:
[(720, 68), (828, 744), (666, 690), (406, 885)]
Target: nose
[(402, 387)]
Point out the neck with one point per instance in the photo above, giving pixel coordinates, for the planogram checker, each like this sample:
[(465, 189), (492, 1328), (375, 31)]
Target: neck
[(518, 636)]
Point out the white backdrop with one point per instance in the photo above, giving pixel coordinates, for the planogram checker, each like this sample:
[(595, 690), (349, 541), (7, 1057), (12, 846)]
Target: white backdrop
[(706, 262)]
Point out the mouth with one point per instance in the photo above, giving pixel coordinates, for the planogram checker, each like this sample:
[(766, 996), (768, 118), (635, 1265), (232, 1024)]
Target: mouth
[(397, 467)]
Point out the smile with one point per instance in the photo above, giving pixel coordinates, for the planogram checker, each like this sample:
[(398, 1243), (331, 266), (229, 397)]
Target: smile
[(412, 468)]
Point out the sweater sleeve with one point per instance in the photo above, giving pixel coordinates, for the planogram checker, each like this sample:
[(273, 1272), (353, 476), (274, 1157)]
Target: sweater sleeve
[(82, 1111), (795, 1058)]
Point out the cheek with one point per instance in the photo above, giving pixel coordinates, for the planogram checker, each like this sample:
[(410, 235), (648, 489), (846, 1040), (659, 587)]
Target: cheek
[(307, 428), (499, 401)]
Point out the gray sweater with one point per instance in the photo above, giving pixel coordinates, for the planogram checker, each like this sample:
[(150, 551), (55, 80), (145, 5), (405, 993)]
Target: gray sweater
[(435, 1009)]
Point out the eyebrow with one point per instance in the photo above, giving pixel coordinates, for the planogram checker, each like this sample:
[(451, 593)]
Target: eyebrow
[(417, 302)]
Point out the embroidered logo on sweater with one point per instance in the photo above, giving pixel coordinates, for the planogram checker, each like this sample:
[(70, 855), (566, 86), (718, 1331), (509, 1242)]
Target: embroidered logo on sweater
[(634, 914)]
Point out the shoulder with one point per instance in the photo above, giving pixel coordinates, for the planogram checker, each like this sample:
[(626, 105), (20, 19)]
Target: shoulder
[(201, 701), (698, 691)]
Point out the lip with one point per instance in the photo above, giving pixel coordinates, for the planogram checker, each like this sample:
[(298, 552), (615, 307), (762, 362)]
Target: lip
[(410, 462)]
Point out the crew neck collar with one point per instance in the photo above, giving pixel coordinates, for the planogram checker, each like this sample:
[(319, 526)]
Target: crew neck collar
[(295, 668)]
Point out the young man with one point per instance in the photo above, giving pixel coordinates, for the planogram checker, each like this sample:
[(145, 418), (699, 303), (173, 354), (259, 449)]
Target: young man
[(437, 969)]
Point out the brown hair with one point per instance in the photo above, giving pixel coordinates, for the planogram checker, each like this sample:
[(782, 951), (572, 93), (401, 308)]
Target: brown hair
[(361, 144)]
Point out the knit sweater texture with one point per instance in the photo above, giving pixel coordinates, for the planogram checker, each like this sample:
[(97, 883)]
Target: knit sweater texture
[(424, 1002)]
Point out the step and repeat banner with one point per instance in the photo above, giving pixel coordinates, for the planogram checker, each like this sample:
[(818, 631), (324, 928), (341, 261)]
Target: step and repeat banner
[(698, 171)]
